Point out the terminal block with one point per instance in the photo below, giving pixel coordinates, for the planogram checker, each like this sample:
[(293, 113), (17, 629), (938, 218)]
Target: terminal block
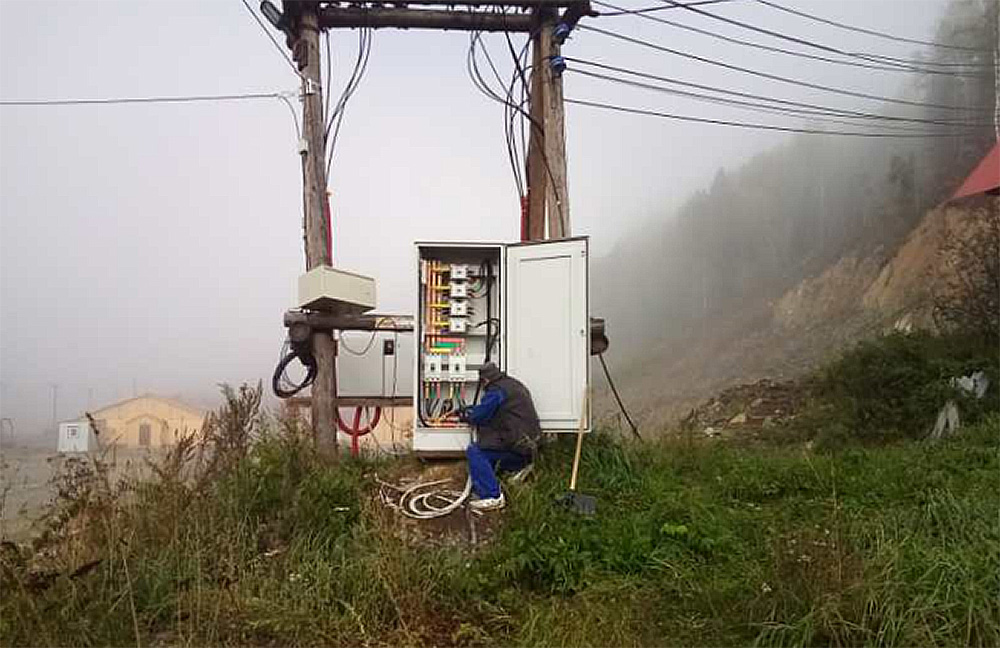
[(457, 325), (433, 371), (456, 368), (459, 271), (459, 290), (459, 309)]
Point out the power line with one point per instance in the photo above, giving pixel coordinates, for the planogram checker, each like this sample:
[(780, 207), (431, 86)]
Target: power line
[(626, 12), (813, 108), (143, 100), (773, 77), (870, 32), (807, 43), (780, 50), (336, 118), (271, 38), (511, 109), (746, 105), (747, 125)]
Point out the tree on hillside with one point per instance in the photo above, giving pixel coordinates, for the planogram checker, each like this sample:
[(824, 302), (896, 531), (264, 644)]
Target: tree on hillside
[(967, 296)]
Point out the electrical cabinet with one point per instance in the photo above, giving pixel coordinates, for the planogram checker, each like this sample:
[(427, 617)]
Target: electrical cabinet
[(523, 306)]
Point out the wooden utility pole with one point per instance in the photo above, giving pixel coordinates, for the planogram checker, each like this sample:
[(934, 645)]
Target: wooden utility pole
[(556, 194), (307, 55), (537, 174), (548, 197)]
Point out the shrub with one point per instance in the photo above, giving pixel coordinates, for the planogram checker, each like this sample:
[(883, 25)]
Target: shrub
[(893, 387)]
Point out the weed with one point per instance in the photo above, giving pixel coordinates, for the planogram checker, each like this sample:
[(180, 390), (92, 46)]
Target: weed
[(692, 544)]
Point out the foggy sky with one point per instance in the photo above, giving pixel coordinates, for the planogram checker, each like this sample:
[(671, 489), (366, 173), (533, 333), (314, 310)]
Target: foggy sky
[(156, 247)]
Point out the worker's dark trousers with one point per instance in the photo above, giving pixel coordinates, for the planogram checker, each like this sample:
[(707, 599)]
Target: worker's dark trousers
[(481, 468)]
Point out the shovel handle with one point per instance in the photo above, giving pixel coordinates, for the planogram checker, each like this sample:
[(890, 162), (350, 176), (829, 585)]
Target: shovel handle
[(579, 442)]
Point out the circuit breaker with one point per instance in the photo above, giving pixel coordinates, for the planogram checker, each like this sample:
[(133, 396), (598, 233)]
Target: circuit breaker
[(522, 306)]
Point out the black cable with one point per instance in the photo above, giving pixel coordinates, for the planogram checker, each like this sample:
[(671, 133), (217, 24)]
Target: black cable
[(614, 390), (481, 84), (626, 12), (534, 123), (270, 37), (780, 50), (818, 116), (773, 77), (832, 111), (870, 32), (808, 43), (360, 67), (363, 352), (723, 122), (280, 383), (141, 100)]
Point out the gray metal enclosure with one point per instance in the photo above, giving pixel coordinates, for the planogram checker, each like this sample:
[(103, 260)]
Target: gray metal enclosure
[(530, 315)]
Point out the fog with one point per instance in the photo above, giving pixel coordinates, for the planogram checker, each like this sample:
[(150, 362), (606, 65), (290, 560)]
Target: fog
[(154, 248)]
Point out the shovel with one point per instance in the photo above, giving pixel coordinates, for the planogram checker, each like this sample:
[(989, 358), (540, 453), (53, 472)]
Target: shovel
[(579, 503)]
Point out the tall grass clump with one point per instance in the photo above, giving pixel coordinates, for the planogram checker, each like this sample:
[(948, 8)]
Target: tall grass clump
[(693, 543)]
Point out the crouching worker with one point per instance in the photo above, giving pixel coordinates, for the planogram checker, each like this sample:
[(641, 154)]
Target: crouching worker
[(508, 434)]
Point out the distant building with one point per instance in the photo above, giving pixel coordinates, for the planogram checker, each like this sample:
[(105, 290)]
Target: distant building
[(76, 436), (143, 422)]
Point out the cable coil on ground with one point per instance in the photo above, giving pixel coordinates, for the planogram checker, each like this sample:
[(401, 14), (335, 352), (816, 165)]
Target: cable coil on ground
[(426, 500)]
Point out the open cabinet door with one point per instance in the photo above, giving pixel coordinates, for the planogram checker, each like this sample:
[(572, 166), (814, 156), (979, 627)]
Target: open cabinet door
[(548, 327)]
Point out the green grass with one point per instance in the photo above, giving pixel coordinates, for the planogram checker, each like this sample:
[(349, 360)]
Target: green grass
[(876, 540), (692, 544)]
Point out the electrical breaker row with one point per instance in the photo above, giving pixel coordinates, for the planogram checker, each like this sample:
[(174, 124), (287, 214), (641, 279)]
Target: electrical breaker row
[(454, 325)]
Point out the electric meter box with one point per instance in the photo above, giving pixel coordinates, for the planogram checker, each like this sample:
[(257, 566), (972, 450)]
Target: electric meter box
[(336, 291), (523, 306)]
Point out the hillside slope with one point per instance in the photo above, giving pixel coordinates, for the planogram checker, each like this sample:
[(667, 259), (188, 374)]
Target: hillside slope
[(855, 297)]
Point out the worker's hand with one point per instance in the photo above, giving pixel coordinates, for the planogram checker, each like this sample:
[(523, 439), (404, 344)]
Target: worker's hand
[(463, 414)]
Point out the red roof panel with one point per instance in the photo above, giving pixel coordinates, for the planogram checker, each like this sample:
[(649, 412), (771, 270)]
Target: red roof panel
[(984, 178)]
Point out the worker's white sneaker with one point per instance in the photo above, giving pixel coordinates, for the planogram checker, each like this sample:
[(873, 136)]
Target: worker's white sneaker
[(488, 503), (521, 474)]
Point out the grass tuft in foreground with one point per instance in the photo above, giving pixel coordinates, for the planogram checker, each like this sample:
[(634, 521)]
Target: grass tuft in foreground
[(259, 541)]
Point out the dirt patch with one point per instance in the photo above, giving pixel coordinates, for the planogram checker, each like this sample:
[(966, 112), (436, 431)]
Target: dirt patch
[(762, 404), (463, 527)]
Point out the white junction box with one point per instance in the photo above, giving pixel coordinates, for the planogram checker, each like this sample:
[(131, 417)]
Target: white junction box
[(523, 306), (336, 291)]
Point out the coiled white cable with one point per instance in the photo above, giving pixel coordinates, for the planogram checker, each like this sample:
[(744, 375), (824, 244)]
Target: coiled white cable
[(422, 504)]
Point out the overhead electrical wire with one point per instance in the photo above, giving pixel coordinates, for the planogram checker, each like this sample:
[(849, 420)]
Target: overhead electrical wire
[(143, 100), (812, 108), (747, 125), (270, 37), (809, 43), (870, 32), (627, 12), (817, 116), (780, 50), (767, 75)]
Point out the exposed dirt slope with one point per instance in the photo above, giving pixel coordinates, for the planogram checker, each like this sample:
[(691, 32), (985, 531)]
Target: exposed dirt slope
[(852, 299)]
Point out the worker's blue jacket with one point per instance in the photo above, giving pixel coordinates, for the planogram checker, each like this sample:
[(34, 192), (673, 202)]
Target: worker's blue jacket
[(506, 418)]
